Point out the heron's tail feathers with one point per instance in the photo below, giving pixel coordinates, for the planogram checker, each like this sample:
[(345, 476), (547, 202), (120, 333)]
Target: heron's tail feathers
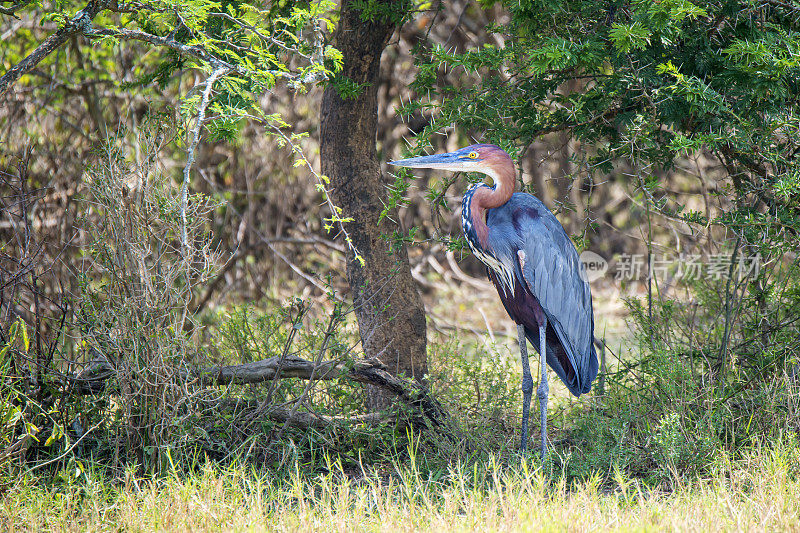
[(591, 370)]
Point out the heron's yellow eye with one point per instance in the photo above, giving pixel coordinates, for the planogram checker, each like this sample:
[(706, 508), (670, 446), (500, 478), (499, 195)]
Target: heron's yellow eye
[(473, 155)]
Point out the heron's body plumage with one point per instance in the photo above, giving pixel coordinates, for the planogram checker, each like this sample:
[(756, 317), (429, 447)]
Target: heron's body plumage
[(550, 280)]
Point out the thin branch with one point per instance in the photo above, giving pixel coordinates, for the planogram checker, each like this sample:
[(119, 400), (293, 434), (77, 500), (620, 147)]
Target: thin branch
[(723, 351), (332, 324), (12, 11), (201, 115), (80, 23), (134, 7), (322, 186), (266, 38), (184, 49), (51, 461), (783, 5)]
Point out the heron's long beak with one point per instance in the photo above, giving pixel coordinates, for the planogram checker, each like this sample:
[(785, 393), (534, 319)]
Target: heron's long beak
[(445, 161)]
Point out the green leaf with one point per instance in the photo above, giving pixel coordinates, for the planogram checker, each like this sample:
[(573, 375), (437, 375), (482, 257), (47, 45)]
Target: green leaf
[(627, 37), (24, 330)]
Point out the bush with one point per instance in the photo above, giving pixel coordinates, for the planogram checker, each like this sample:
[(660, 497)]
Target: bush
[(134, 306), (700, 385)]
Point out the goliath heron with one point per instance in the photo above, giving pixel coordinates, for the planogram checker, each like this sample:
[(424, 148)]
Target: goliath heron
[(534, 267)]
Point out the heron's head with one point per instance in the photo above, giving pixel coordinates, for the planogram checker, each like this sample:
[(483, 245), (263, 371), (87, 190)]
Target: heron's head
[(486, 158)]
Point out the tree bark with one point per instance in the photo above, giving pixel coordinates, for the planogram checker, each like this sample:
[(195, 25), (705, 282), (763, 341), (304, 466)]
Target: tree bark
[(391, 317)]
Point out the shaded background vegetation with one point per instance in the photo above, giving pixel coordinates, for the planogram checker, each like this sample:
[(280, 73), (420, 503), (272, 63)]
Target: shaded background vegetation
[(666, 131)]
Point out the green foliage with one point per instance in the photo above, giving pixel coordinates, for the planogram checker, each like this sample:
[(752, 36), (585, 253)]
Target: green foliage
[(648, 81), (483, 392), (702, 385), (18, 412), (257, 46), (347, 88), (627, 37), (384, 12), (653, 423)]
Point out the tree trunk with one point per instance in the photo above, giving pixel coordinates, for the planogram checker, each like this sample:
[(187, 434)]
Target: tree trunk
[(391, 318)]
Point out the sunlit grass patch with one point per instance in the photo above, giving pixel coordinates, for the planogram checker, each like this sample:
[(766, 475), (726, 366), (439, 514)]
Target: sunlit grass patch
[(759, 491)]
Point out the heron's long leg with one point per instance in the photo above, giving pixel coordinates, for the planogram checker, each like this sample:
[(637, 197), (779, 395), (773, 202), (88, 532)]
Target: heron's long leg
[(527, 386), (544, 389)]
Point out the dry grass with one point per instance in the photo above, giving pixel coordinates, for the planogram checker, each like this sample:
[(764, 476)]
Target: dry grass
[(759, 492)]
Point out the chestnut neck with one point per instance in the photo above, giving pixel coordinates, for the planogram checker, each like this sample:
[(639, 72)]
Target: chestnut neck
[(504, 176)]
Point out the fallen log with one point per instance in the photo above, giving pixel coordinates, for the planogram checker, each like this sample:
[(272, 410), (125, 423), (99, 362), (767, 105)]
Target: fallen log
[(291, 367), (367, 371), (304, 419), (93, 378)]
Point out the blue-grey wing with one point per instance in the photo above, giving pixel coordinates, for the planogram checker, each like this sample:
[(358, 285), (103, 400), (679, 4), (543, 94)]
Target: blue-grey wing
[(552, 272)]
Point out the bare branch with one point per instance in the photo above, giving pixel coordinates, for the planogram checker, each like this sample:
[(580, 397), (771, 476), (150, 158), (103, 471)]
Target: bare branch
[(293, 367), (12, 11), (367, 371), (306, 420), (201, 115), (80, 23)]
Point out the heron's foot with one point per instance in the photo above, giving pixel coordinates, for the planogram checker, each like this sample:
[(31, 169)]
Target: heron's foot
[(534, 453)]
